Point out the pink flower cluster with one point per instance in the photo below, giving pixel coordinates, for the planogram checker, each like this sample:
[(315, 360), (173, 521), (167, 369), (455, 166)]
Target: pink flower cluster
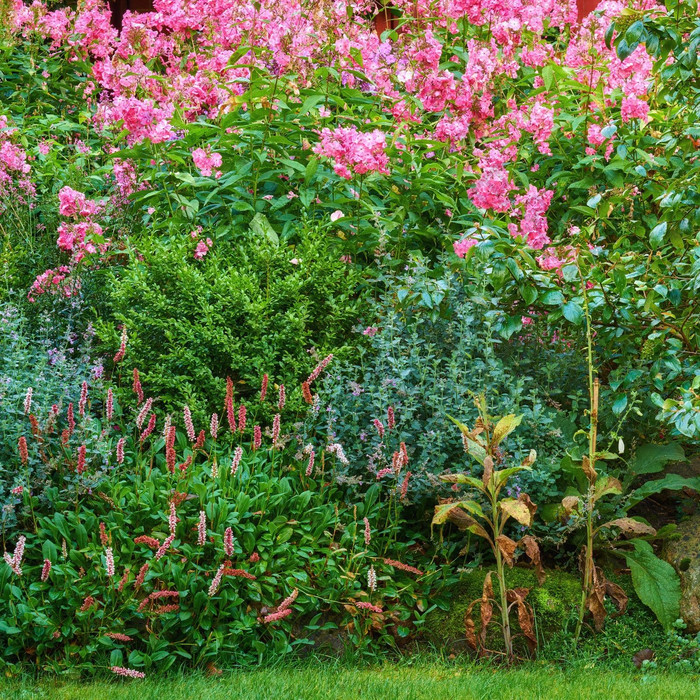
[(353, 152)]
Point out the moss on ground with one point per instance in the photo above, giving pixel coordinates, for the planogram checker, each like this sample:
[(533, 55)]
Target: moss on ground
[(554, 603)]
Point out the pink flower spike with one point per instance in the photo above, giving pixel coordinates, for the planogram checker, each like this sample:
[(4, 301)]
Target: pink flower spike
[(235, 462), (216, 581), (202, 529), (127, 672), (46, 569), (228, 542)]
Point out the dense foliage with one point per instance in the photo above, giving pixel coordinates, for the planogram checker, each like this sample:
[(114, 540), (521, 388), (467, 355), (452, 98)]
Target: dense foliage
[(485, 213)]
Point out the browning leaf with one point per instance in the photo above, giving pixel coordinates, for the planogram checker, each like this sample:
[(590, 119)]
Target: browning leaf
[(641, 656), (486, 608), (521, 509), (488, 470), (470, 627), (617, 595), (570, 504), (532, 549), (588, 470), (504, 427), (631, 527), (507, 548)]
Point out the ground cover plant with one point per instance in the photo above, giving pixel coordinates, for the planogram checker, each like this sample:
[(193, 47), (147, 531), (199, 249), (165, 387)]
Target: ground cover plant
[(284, 285)]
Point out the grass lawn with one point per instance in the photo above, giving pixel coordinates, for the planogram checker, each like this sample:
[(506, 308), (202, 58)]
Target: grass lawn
[(388, 682)]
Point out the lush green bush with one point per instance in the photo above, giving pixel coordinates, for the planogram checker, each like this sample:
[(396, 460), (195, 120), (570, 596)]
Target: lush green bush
[(248, 308), (188, 554), (430, 349)]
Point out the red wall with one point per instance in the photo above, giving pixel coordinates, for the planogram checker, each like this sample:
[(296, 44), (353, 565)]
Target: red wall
[(586, 6)]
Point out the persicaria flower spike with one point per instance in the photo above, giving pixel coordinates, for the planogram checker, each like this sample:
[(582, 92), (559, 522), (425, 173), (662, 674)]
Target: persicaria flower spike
[(276, 421), (15, 561), (127, 672), (372, 579), (28, 401), (282, 398), (189, 426), (230, 412), (390, 418), (216, 581), (45, 570), (319, 368), (202, 529), (368, 532), (228, 542), (109, 562), (136, 385), (235, 462), (164, 547), (257, 437), (122, 348), (310, 465), (214, 425), (241, 418), (120, 450), (149, 428), (109, 412), (83, 398), (145, 409), (172, 518), (379, 426), (81, 459), (23, 451)]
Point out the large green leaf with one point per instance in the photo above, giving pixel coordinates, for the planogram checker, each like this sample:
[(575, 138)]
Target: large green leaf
[(649, 459), (656, 582), (671, 482)]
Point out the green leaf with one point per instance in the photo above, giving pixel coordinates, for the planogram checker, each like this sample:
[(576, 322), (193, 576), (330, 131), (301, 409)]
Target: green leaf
[(657, 234), (655, 581), (260, 226), (649, 459), (548, 77), (572, 312), (505, 427), (619, 404), (671, 482)]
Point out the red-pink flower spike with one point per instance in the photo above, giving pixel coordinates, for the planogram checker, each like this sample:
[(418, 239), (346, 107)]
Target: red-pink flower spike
[(127, 672), (230, 411), (104, 539), (280, 614), (123, 580), (189, 426), (282, 398), (368, 532), (263, 388), (228, 542), (83, 398), (122, 348), (87, 604), (363, 605), (372, 579), (109, 562), (141, 576), (390, 418), (28, 401), (119, 637), (403, 567), (235, 462), (120, 450), (71, 419), (319, 368), (257, 437), (46, 569), (136, 385), (310, 465), (404, 486), (216, 581), (81, 459), (306, 392), (214, 425), (149, 428), (172, 518), (145, 409), (23, 451), (241, 418), (276, 422), (164, 547), (110, 405), (15, 561), (202, 529), (287, 602), (379, 426)]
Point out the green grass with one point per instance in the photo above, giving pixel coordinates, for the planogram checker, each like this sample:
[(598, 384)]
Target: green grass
[(391, 682)]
